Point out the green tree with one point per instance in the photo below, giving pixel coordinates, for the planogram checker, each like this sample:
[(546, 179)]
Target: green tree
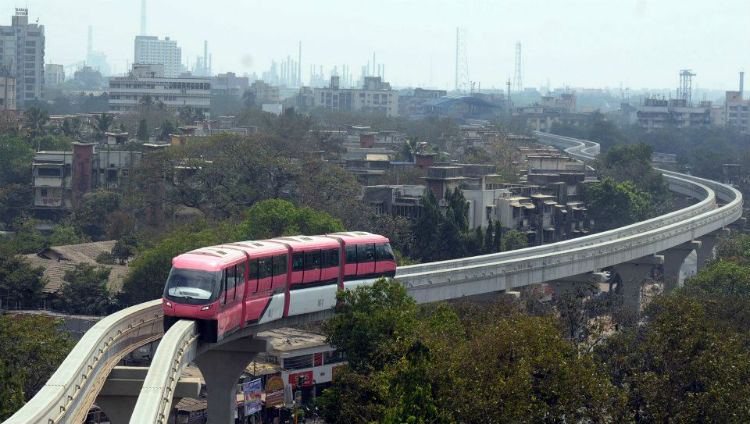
[(31, 348), (101, 124), (512, 240), (425, 227), (488, 242), (273, 218), (85, 291), (611, 204), (91, 217), (142, 132), (20, 283), (63, 235), (167, 128), (35, 119), (498, 237)]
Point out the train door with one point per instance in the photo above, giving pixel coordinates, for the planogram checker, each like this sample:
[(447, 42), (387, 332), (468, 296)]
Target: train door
[(312, 266), (330, 265), (350, 261), (255, 302), (365, 259), (235, 277)]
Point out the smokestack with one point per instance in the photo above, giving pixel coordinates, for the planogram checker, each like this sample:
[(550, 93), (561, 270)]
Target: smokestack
[(90, 46), (742, 82), (143, 17), (210, 68), (374, 69), (205, 57), (299, 66)]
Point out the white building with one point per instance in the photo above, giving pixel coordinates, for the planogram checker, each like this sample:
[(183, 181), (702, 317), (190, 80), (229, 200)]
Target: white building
[(151, 50), (737, 111), (22, 54), (54, 74), (375, 96), (148, 81)]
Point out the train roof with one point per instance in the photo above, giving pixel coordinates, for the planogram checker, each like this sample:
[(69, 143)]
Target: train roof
[(212, 258), (258, 247), (358, 237), (300, 242)]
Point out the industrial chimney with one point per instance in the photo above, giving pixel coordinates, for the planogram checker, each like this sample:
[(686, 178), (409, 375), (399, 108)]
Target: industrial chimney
[(742, 83)]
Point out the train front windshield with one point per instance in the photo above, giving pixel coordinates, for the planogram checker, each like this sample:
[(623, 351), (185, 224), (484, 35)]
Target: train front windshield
[(192, 286)]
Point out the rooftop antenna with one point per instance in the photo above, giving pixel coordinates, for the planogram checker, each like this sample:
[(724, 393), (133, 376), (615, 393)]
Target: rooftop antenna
[(685, 91), (517, 78), (143, 17), (462, 65)]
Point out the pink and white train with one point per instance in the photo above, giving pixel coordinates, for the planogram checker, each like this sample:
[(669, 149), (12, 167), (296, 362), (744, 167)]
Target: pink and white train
[(230, 286)]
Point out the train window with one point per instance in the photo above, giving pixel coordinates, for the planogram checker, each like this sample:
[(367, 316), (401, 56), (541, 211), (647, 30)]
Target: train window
[(298, 261), (365, 253), (253, 275), (241, 273), (312, 259), (279, 265), (231, 275), (331, 258), (383, 252), (265, 267), (351, 254)]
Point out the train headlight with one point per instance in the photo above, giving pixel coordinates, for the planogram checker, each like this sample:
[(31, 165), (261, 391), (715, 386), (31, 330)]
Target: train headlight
[(168, 303), (205, 308)]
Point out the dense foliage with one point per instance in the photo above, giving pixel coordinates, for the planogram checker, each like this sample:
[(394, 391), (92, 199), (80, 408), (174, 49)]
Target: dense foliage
[(31, 348)]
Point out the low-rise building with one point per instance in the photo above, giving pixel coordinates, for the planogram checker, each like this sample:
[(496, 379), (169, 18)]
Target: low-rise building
[(374, 96), (60, 178), (128, 93), (660, 113)]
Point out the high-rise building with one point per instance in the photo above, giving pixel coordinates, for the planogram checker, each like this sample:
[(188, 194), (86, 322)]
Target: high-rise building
[(150, 50), (54, 74), (22, 54)]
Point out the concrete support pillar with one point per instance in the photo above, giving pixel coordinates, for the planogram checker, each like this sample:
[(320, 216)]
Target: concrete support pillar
[(221, 367), (632, 275), (120, 392), (584, 283), (706, 251), (673, 260)]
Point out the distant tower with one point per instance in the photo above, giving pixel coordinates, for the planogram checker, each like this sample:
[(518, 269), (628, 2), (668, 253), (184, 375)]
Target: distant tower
[(685, 91), (462, 64), (517, 76), (299, 66), (205, 57), (143, 17), (90, 46)]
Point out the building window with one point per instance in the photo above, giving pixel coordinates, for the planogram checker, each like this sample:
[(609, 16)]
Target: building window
[(298, 362)]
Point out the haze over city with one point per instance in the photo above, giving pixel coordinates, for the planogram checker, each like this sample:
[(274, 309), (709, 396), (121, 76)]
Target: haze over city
[(582, 43)]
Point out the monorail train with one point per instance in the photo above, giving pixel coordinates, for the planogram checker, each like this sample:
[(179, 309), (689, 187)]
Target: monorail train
[(230, 286)]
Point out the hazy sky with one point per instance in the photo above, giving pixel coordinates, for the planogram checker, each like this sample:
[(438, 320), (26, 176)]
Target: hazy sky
[(579, 43)]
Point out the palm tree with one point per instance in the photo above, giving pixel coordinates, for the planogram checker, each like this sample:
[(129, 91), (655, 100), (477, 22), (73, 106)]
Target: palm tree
[(102, 123), (35, 119)]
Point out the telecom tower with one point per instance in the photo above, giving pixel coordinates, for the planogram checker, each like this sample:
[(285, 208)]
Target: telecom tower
[(462, 64), (686, 86), (517, 78), (143, 17)]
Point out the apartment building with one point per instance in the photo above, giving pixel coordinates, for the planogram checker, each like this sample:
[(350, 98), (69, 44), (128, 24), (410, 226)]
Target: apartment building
[(22, 55), (7, 93), (374, 96), (151, 50)]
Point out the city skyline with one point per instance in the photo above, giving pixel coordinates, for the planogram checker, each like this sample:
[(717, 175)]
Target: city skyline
[(636, 44)]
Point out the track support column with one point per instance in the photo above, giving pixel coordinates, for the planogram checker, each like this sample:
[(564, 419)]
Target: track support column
[(221, 367), (673, 260), (632, 275), (708, 242)]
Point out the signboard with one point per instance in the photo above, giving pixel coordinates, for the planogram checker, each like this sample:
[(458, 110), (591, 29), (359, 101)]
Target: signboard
[(305, 379), (274, 391), (252, 392)]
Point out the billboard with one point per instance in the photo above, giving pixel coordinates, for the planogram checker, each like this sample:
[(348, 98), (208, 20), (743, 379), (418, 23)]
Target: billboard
[(252, 393), (274, 391)]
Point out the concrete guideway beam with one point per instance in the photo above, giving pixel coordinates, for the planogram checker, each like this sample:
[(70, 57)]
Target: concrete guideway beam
[(632, 275), (120, 392), (221, 367), (673, 259)]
